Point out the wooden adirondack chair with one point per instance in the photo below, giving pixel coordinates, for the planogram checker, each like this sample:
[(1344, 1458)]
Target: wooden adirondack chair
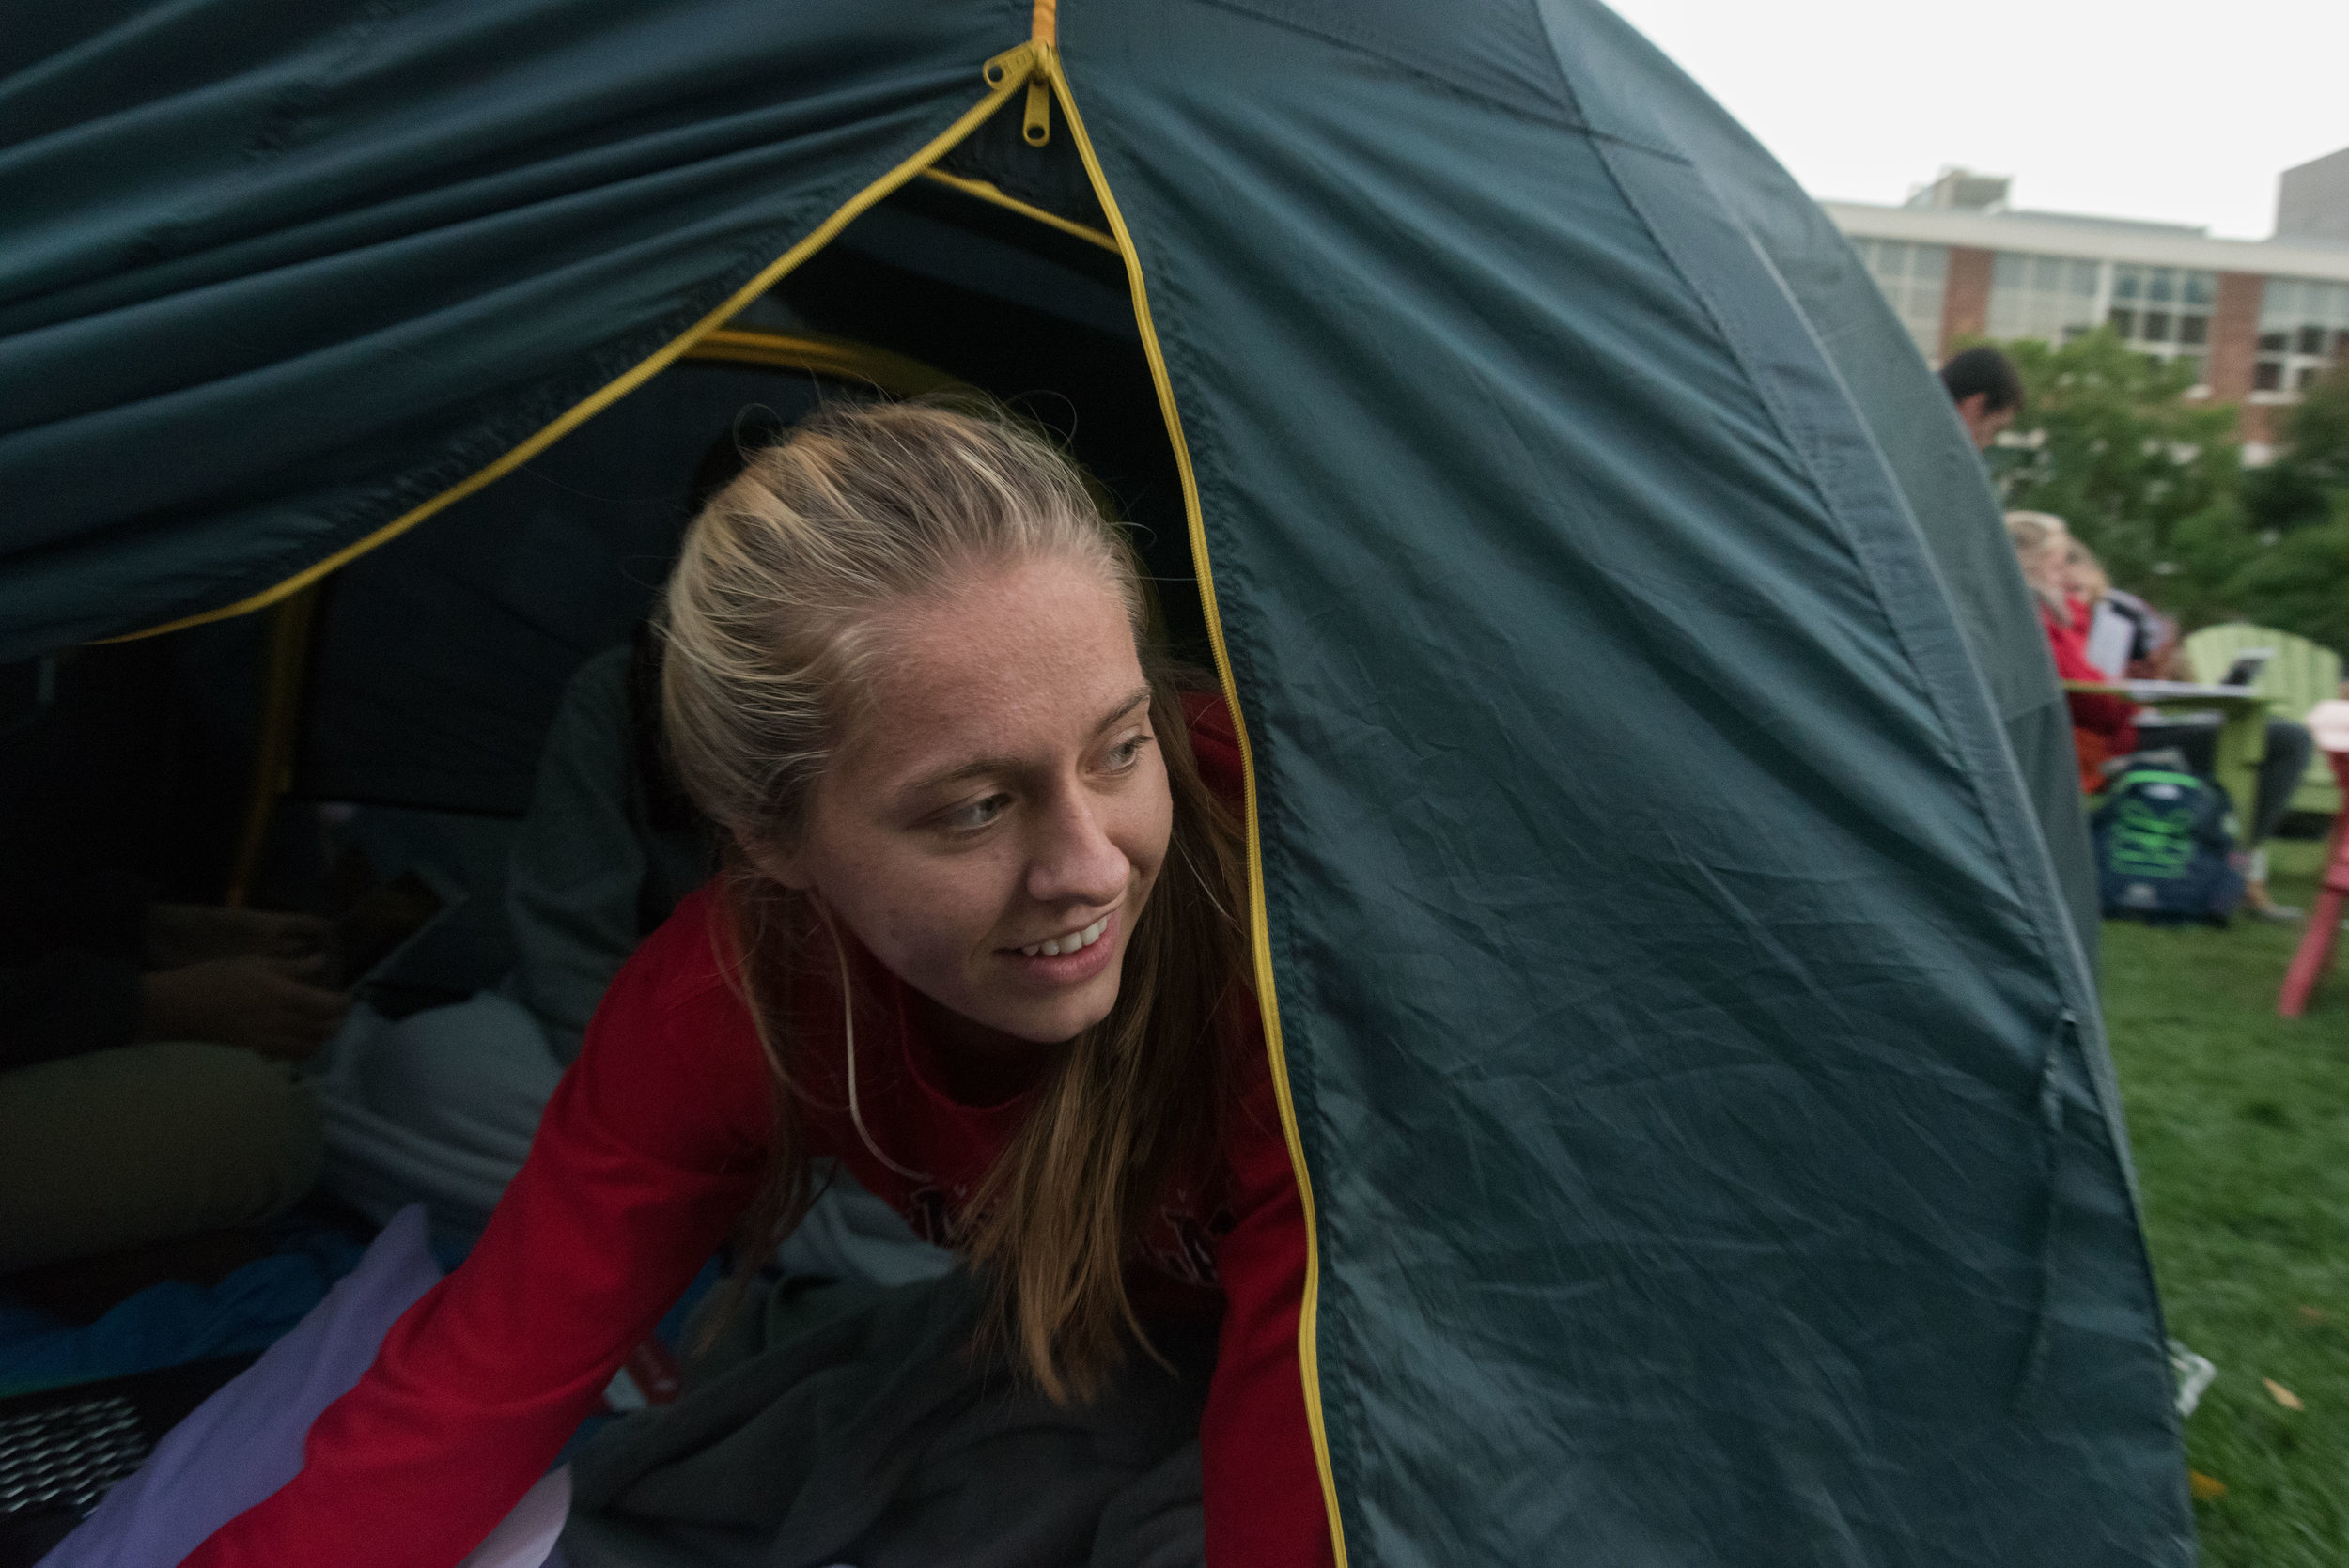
[(2300, 676)]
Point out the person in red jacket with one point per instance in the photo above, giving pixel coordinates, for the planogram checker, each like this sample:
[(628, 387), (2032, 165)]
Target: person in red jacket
[(2102, 724), (980, 941)]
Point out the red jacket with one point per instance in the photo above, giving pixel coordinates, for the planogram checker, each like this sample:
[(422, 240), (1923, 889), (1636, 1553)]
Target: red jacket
[(2110, 720), (649, 1151)]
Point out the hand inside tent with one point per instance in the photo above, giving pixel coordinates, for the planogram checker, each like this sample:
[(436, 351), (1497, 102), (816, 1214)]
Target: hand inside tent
[(183, 934), (272, 1005)]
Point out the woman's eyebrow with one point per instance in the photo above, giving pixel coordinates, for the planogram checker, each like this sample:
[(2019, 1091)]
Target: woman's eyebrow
[(981, 767), (1134, 699), (975, 768)]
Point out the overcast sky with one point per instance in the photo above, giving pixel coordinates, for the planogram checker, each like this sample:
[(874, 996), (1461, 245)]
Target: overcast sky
[(2184, 112)]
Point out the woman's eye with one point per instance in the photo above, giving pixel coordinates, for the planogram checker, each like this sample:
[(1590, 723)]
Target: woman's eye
[(1126, 754), (977, 814)]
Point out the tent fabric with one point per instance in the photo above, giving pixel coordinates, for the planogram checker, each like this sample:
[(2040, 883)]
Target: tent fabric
[(1679, 928), (1712, 1143), (1907, 414), (346, 257)]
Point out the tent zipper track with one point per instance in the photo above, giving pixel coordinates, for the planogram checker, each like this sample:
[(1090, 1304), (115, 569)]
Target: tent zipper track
[(1048, 65)]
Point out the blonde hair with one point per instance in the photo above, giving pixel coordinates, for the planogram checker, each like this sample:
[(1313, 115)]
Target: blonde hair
[(770, 621), (2031, 534)]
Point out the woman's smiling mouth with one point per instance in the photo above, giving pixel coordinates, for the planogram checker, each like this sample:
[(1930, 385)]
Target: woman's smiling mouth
[(1070, 941), (1071, 958)]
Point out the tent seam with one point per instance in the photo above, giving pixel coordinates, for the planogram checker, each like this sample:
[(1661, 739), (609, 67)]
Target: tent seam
[(1804, 448), (1732, 340), (1962, 757), (2068, 977), (1390, 55)]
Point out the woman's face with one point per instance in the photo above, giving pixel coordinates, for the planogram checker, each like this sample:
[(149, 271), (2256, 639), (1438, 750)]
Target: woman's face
[(2044, 567), (993, 820), (2082, 576)]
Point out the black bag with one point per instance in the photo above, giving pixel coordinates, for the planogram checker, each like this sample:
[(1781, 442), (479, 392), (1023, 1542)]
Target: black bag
[(2163, 852)]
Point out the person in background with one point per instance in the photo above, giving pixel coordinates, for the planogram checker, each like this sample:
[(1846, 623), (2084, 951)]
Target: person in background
[(2081, 585), (146, 1092), (1988, 394), (2153, 641), (2102, 724), (439, 1106)]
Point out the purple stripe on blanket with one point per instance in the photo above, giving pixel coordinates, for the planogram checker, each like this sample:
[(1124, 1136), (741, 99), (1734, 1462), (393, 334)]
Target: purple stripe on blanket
[(245, 1441)]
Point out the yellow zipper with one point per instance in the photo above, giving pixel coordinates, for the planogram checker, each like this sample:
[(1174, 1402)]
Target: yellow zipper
[(1034, 64), (1047, 67), (1004, 75), (987, 191)]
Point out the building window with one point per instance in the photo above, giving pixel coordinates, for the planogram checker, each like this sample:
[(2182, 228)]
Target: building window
[(2161, 311), (2164, 311), (2304, 329), (2053, 298), (1913, 278)]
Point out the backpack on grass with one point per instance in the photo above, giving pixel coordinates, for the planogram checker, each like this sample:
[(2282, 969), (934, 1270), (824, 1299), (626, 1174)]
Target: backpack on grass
[(2163, 852)]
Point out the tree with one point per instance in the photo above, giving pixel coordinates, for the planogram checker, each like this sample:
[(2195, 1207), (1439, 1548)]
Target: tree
[(2300, 582), (2318, 429), (2148, 477), (2298, 488), (2298, 505)]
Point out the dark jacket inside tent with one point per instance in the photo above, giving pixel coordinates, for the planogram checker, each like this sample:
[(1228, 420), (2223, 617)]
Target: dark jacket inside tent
[(1660, 804)]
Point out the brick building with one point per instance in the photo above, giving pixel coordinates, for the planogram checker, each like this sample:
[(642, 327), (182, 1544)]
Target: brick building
[(2260, 320)]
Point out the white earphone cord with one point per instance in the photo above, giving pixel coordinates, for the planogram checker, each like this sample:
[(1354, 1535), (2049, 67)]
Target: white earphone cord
[(847, 1026)]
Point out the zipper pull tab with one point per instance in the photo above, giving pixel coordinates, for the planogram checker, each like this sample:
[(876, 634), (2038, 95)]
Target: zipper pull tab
[(1038, 127), (1011, 66)]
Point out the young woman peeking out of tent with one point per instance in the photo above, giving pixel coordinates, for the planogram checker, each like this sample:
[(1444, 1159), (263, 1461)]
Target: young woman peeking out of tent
[(979, 943)]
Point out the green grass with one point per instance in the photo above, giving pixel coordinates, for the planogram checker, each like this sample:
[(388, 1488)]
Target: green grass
[(2240, 1122)]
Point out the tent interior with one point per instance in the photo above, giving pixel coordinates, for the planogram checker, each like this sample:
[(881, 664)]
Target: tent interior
[(411, 692), (388, 718)]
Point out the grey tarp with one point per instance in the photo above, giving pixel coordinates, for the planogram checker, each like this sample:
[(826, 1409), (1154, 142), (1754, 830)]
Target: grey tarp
[(1712, 1142)]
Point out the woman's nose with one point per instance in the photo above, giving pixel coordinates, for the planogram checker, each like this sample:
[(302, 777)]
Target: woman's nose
[(1074, 860)]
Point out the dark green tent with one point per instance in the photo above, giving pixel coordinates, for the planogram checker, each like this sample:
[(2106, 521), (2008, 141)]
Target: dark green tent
[(1711, 1147)]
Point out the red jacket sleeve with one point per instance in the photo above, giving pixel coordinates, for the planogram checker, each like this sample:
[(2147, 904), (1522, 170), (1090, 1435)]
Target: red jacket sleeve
[(649, 1151), (2099, 712), (1261, 1479), (1261, 1482)]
